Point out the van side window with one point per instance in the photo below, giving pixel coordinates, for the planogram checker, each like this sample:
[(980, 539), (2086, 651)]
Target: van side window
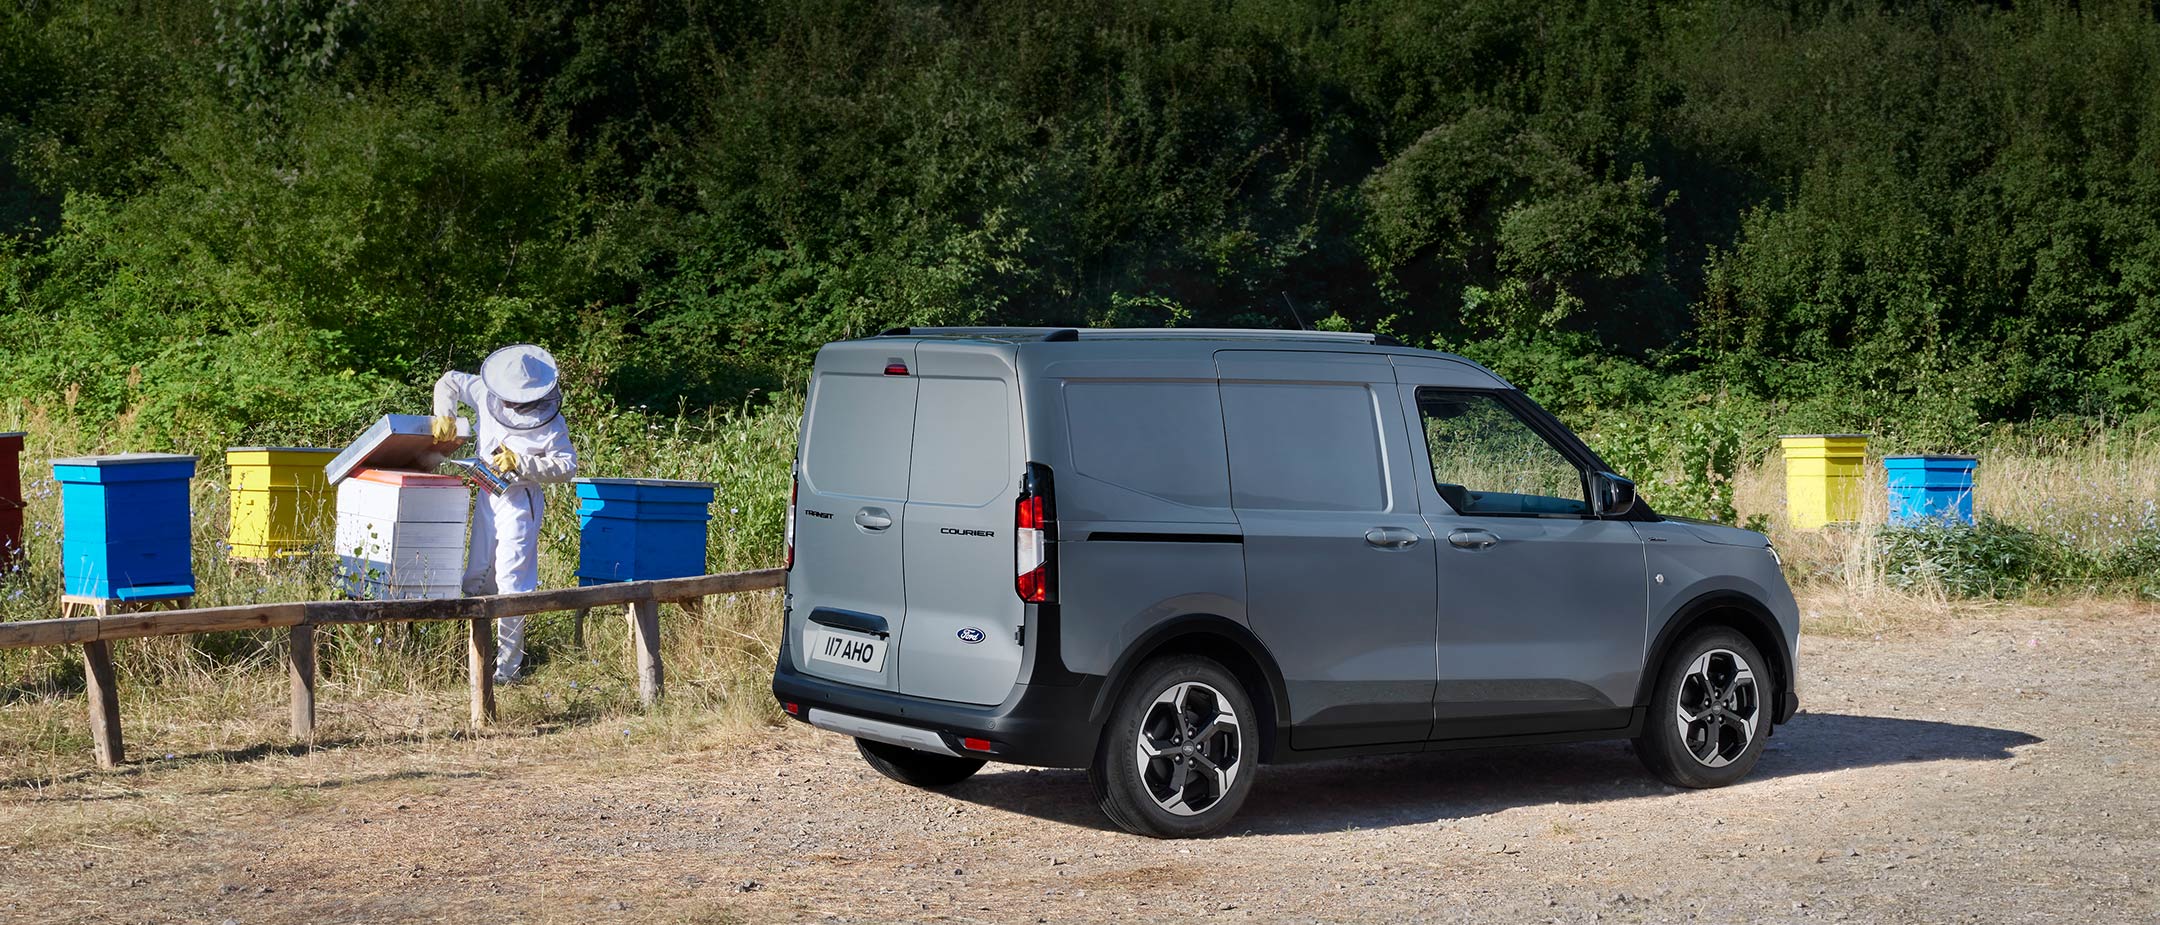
[(861, 428), (1487, 460), (1163, 439), (1303, 447)]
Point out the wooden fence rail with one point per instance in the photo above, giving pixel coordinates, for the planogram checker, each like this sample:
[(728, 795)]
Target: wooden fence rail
[(95, 635)]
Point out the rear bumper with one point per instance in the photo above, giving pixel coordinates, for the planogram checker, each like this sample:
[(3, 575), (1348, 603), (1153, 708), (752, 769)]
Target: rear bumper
[(1043, 725)]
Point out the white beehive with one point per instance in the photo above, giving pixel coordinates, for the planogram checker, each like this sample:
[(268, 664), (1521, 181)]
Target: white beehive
[(401, 535)]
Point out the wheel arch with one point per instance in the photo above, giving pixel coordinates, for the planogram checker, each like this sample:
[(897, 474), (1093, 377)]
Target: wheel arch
[(1732, 609), (1219, 638)]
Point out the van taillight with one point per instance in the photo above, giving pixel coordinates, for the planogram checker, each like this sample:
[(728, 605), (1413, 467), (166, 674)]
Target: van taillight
[(794, 489), (1034, 524)]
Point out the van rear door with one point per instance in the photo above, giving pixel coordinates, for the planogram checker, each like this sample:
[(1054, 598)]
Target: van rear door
[(847, 597), (964, 614)]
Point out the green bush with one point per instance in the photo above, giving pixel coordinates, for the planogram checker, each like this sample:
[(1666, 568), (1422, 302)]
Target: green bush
[(1682, 457), (1990, 558)]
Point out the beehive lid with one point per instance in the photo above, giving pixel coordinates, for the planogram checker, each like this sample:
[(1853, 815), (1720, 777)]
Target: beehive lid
[(273, 449), (648, 483), (407, 479), (123, 459), (124, 467), (394, 442), (1932, 457), (1824, 436), (4, 434)]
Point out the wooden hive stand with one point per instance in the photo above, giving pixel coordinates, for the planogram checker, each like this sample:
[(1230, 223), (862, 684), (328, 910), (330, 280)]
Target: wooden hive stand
[(72, 605), (100, 685)]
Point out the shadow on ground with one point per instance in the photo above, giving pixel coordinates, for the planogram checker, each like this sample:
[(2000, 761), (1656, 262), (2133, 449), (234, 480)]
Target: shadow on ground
[(141, 764), (1370, 793)]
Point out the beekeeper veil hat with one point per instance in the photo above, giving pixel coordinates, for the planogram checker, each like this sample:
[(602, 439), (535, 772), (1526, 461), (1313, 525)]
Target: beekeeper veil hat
[(523, 391)]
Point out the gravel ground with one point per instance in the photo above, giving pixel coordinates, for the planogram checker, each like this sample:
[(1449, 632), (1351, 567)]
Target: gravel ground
[(1998, 771)]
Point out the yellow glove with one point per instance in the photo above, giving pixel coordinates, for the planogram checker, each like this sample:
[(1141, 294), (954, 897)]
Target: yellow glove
[(444, 428), (503, 462)]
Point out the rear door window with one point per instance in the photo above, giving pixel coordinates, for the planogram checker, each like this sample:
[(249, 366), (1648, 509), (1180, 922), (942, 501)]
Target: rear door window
[(962, 442), (1304, 446), (859, 435), (1486, 459)]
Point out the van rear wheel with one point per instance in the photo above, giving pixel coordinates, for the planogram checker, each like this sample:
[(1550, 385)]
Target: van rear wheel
[(1178, 756), (914, 768)]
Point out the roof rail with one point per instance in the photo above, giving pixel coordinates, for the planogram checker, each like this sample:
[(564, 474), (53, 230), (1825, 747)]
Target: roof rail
[(1043, 334), (1354, 337), (1054, 335)]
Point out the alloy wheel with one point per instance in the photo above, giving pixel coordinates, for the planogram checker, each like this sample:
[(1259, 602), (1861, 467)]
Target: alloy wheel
[(1188, 751), (1720, 707)]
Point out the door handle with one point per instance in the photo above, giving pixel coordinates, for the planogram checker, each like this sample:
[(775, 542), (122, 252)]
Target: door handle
[(1391, 537), (1472, 539), (872, 519)]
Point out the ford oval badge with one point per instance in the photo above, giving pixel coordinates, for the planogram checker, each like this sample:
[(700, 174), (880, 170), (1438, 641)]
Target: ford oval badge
[(971, 635)]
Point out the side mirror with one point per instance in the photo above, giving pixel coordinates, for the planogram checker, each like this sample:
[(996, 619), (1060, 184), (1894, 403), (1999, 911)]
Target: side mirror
[(1611, 495)]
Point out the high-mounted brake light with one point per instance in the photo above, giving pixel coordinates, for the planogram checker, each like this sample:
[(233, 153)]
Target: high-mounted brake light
[(895, 368), (793, 491), (1034, 550)]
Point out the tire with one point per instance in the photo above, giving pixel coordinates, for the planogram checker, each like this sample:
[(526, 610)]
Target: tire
[(917, 769), (1710, 712), (1180, 751)]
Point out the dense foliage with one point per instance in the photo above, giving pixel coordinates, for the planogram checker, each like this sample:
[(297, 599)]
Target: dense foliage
[(243, 219)]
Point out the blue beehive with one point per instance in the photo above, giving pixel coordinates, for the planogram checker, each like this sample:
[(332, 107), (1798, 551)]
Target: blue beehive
[(1930, 489), (125, 526), (640, 529)]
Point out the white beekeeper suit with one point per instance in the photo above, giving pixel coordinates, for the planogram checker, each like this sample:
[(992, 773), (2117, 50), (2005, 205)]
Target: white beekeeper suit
[(518, 406)]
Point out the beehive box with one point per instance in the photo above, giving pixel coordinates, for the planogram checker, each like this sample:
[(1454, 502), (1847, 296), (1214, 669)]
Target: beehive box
[(281, 502), (1931, 489), (11, 499), (125, 526), (641, 529), (1822, 478), (401, 535)]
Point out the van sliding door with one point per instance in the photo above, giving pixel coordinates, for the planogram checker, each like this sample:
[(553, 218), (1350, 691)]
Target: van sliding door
[(1338, 563)]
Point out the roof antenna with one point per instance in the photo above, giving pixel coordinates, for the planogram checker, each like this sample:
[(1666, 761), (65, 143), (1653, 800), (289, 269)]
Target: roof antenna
[(1293, 311)]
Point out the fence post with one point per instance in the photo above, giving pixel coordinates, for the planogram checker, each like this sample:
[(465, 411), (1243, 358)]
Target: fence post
[(480, 657), (577, 628), (645, 642), (104, 697), (300, 666)]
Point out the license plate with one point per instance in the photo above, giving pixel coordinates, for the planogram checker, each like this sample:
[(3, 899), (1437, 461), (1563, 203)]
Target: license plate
[(851, 649)]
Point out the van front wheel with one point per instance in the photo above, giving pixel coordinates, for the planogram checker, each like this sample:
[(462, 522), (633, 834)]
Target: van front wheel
[(1179, 753), (1711, 712), (917, 769)]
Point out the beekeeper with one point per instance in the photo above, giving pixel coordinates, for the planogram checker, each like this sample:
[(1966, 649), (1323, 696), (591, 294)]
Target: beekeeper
[(522, 436)]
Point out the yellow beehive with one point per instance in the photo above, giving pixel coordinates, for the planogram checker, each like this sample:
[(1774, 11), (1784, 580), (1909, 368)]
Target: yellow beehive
[(1822, 478), (281, 502)]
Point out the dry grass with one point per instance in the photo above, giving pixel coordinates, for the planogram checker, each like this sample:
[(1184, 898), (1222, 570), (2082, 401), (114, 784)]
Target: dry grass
[(2091, 495), (719, 665)]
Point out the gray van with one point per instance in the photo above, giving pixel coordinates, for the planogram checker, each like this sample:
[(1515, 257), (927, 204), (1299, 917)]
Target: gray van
[(1171, 556)]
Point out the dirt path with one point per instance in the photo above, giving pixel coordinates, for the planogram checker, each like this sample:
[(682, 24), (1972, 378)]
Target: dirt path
[(1999, 772)]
